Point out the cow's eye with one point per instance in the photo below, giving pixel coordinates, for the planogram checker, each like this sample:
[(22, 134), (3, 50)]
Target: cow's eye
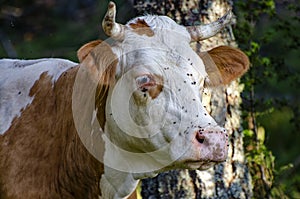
[(149, 86), (145, 81)]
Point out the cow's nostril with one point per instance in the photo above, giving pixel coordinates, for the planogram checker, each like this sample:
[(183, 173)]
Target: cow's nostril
[(200, 138)]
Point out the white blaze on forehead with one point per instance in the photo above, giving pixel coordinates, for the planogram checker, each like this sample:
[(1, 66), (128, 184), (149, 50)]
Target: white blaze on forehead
[(17, 78)]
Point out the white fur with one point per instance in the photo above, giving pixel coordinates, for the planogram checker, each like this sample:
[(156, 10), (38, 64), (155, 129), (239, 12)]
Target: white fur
[(17, 78)]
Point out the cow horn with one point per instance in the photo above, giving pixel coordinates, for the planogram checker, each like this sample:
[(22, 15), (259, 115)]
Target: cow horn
[(109, 25), (205, 31)]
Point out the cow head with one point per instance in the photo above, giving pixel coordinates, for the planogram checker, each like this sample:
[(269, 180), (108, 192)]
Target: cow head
[(148, 86)]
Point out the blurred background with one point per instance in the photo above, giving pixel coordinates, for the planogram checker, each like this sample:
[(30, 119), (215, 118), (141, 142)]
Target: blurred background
[(52, 28), (268, 31)]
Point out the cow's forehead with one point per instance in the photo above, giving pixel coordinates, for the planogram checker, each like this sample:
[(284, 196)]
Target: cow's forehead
[(165, 33), (168, 46), (158, 24)]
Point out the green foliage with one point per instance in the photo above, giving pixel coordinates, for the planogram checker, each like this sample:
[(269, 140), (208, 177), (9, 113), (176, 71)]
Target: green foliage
[(268, 31), (260, 161)]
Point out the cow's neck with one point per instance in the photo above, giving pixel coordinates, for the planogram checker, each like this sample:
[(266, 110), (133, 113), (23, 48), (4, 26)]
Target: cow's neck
[(83, 169), (43, 140), (113, 184)]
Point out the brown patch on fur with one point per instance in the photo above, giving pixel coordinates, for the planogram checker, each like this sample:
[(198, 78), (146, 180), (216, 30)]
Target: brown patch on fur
[(142, 28), (224, 64), (41, 154), (156, 90)]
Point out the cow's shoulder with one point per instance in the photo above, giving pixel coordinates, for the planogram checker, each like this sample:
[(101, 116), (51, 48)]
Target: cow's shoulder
[(16, 80)]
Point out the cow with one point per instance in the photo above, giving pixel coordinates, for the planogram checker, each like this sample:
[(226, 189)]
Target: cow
[(129, 110)]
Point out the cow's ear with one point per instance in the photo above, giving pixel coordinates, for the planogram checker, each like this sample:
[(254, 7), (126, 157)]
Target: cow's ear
[(224, 64), (86, 49), (98, 57), (98, 65)]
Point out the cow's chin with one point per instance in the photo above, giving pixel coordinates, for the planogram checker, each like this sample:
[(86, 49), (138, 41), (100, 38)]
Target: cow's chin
[(199, 165)]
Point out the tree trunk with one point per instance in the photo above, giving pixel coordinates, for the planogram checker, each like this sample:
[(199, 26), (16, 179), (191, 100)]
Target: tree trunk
[(227, 180)]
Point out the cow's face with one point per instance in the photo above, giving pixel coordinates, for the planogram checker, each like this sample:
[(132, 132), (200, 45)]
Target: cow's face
[(159, 105), (153, 84)]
